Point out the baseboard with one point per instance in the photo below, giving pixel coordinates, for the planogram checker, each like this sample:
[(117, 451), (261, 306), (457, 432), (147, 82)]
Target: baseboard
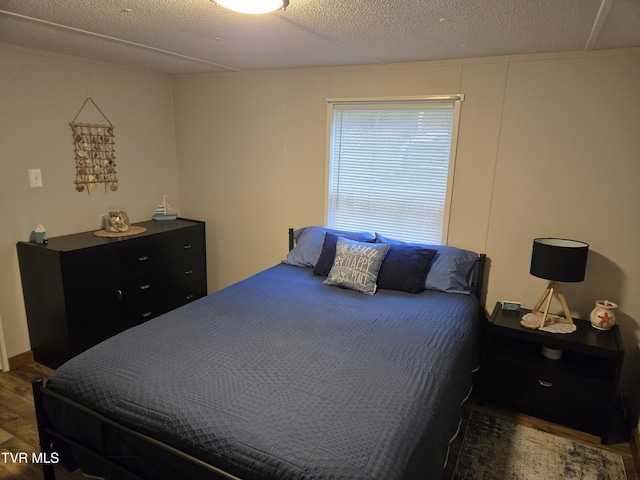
[(635, 448), (21, 360)]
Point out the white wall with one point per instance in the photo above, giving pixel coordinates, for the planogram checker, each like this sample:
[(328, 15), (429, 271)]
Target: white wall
[(568, 160), (548, 146), (41, 94)]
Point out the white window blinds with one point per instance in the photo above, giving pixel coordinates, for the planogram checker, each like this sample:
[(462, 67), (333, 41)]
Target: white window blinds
[(391, 167)]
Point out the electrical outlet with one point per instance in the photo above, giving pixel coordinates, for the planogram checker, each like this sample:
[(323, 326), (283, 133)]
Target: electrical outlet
[(35, 178)]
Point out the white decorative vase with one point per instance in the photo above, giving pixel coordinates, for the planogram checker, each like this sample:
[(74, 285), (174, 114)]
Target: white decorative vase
[(117, 220), (602, 317)]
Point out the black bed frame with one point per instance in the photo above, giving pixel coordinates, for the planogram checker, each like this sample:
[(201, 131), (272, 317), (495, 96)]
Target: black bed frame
[(52, 441)]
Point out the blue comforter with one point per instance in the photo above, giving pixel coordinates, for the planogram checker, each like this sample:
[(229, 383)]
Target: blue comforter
[(281, 376)]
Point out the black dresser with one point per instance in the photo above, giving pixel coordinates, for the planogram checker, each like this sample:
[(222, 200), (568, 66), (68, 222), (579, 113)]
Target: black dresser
[(81, 289)]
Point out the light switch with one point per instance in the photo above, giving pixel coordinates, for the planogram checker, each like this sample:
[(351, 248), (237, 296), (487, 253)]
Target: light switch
[(35, 177)]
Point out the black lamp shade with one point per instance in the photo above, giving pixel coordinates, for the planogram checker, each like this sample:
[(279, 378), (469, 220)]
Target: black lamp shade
[(559, 259)]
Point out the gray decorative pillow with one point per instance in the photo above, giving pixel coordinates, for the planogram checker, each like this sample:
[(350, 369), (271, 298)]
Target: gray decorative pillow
[(356, 265)]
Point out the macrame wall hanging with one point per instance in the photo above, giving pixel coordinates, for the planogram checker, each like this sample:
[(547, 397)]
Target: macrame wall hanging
[(94, 153)]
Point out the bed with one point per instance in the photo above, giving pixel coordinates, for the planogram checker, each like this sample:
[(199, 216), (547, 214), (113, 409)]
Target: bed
[(294, 373)]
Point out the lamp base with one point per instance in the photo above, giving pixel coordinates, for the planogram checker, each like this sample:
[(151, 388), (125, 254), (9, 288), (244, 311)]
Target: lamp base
[(553, 288)]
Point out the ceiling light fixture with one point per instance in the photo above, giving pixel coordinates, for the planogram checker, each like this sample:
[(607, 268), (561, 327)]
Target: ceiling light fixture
[(253, 6)]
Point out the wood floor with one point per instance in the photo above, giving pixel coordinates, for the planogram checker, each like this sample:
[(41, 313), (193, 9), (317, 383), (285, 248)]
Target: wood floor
[(18, 432), (18, 429)]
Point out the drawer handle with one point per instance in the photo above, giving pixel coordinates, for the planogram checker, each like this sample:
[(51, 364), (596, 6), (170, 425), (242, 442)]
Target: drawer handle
[(143, 258), (188, 272), (190, 296), (146, 314), (545, 384), (145, 287), (187, 247)]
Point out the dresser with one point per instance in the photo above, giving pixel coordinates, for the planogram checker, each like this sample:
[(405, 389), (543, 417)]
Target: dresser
[(81, 289)]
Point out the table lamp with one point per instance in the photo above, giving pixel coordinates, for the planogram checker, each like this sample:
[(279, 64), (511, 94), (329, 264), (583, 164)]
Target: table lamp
[(557, 260)]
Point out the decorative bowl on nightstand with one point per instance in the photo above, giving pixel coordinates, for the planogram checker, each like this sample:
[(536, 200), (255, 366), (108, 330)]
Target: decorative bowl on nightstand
[(602, 316)]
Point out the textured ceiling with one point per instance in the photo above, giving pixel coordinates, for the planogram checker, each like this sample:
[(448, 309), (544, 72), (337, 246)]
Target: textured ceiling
[(192, 36)]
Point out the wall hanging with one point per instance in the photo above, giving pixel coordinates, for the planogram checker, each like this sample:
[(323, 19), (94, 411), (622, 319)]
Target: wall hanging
[(94, 153)]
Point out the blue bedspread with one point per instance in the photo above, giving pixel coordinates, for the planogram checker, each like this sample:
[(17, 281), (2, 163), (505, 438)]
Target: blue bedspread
[(281, 376)]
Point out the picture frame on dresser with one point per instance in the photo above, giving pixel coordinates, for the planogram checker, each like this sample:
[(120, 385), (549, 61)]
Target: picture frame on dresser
[(81, 289)]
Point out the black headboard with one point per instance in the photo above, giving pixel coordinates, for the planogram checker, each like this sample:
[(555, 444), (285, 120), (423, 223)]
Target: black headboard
[(291, 240), (477, 279)]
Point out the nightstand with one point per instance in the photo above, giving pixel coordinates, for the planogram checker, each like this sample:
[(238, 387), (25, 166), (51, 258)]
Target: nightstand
[(578, 390)]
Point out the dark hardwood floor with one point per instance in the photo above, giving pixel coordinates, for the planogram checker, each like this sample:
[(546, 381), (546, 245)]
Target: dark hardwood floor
[(18, 431)]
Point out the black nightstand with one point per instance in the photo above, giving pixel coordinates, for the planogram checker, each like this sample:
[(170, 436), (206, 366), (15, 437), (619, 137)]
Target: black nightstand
[(578, 390)]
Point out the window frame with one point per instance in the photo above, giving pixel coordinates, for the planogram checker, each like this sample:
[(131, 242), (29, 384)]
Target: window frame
[(454, 99)]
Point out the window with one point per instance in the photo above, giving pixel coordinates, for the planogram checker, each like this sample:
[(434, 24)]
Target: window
[(391, 166)]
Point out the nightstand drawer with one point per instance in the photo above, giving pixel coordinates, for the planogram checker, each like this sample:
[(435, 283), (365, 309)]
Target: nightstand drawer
[(542, 389)]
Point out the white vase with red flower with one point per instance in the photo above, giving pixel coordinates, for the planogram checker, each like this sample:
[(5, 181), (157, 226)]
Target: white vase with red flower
[(602, 316)]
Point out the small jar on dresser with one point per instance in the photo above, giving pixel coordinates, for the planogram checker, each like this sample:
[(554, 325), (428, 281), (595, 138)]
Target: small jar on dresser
[(81, 289)]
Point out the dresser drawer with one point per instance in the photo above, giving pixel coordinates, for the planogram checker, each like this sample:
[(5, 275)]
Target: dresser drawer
[(187, 272), (146, 310), (152, 307), (145, 256), (152, 283), (186, 245)]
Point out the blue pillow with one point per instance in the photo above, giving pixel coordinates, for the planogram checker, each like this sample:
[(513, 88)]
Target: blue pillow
[(356, 265), (451, 269), (405, 267), (309, 241), (325, 261)]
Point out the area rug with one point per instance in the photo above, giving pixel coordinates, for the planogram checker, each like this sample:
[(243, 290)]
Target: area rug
[(496, 449)]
